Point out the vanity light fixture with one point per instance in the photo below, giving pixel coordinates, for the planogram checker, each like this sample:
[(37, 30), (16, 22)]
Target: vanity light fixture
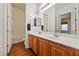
[(45, 6)]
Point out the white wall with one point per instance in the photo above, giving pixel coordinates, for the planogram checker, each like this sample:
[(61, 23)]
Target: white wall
[(78, 19), (1, 30), (31, 11)]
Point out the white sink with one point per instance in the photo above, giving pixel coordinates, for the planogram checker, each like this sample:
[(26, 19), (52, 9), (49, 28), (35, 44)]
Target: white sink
[(48, 36)]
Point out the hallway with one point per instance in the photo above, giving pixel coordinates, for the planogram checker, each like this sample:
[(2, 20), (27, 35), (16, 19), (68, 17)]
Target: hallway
[(19, 50)]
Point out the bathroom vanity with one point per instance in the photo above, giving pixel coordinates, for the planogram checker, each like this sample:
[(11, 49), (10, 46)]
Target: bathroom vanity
[(46, 46), (63, 21)]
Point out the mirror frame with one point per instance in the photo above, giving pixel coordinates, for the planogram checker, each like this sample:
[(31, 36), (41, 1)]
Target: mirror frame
[(58, 14)]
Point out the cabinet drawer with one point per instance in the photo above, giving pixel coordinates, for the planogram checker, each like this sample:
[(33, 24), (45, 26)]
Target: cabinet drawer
[(67, 50), (56, 49)]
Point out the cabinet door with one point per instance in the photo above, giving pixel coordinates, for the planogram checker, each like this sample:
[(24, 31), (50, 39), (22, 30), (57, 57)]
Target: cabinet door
[(31, 41), (68, 51), (59, 50), (43, 47), (76, 52), (56, 52), (53, 51), (35, 44)]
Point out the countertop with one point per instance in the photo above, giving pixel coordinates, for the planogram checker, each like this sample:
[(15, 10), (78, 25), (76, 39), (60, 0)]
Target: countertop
[(74, 43)]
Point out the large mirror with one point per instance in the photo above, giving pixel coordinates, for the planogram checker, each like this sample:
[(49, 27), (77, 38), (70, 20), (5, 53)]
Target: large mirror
[(66, 18), (49, 19), (45, 23), (61, 18)]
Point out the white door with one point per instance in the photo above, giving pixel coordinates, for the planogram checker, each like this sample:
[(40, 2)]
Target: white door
[(7, 28), (5, 24)]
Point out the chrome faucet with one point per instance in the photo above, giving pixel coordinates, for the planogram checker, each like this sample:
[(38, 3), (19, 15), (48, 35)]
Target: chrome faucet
[(39, 32), (56, 35)]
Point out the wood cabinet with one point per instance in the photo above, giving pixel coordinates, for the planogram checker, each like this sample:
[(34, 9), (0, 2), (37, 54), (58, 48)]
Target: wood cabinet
[(34, 40), (76, 52), (33, 43), (59, 50), (43, 47), (56, 52)]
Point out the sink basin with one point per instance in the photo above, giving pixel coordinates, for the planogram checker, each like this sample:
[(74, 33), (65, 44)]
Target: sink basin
[(48, 36)]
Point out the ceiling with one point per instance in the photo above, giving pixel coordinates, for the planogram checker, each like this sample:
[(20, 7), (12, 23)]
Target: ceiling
[(62, 5)]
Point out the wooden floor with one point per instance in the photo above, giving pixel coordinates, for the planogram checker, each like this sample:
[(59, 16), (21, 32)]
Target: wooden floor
[(19, 50)]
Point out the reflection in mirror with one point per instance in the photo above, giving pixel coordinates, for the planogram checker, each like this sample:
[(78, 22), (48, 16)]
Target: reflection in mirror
[(66, 18), (36, 22), (66, 23), (48, 17), (45, 22)]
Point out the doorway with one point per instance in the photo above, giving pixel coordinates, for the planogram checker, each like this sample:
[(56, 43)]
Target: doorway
[(18, 22)]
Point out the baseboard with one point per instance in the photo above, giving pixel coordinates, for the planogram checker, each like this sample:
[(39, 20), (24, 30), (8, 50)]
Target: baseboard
[(9, 51), (14, 41), (18, 42)]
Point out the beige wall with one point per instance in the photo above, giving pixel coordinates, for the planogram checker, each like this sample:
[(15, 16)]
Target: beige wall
[(18, 23)]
